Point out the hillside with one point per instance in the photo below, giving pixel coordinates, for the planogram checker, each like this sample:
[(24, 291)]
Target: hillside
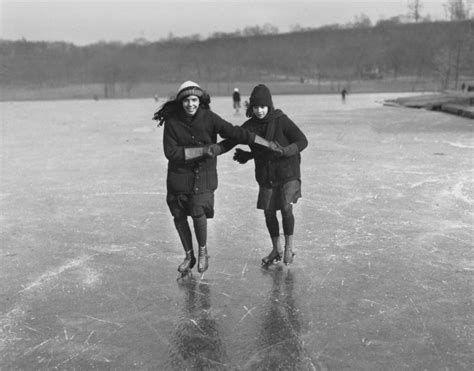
[(384, 57)]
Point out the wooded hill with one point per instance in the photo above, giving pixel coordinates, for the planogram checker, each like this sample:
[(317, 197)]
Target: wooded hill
[(441, 50)]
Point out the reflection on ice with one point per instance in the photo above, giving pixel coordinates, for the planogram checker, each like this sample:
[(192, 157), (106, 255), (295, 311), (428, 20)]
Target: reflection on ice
[(278, 345), (196, 343)]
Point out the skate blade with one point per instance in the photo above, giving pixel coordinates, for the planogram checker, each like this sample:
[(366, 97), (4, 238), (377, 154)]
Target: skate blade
[(275, 261), (182, 275)]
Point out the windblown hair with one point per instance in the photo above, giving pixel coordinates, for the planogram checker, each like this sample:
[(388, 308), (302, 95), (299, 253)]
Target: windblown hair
[(174, 106)]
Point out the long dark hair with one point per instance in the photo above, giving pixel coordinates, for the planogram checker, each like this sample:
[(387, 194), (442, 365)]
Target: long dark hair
[(174, 106)]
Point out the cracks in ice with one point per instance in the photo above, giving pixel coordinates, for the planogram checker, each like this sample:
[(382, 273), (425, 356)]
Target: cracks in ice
[(425, 329)]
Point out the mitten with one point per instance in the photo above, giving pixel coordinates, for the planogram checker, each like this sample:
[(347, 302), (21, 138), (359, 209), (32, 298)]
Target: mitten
[(242, 156), (290, 150)]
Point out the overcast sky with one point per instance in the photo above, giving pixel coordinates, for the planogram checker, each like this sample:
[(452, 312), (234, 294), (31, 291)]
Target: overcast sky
[(89, 21)]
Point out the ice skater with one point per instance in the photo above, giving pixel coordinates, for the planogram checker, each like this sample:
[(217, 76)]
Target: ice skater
[(236, 100), (189, 143), (277, 173), (343, 95)]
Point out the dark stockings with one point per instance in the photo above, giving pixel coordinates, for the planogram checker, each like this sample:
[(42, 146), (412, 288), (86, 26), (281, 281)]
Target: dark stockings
[(200, 229), (288, 221), (184, 232)]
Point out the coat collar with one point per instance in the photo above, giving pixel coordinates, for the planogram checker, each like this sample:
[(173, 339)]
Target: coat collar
[(271, 120)]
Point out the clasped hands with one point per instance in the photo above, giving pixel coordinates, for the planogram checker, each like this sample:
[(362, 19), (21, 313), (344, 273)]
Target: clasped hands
[(242, 156), (212, 150)]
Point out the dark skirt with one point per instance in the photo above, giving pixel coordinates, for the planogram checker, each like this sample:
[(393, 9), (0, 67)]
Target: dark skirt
[(276, 198), (191, 204)]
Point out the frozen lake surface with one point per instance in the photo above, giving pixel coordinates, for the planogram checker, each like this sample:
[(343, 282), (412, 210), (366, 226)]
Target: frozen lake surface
[(382, 277)]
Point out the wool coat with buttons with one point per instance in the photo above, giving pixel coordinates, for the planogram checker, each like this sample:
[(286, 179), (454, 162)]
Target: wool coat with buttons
[(197, 175)]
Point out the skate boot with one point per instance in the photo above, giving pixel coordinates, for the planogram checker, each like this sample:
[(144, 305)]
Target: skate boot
[(288, 256), (203, 262), (188, 263), (273, 258)]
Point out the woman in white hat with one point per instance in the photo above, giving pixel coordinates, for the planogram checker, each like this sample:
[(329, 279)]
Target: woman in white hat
[(189, 143)]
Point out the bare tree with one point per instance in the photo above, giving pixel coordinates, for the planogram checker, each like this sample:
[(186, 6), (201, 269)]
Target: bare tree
[(443, 61), (267, 29), (457, 10), (414, 9), (362, 21)]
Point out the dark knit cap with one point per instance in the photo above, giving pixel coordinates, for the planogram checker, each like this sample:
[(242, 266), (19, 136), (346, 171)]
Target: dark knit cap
[(261, 96)]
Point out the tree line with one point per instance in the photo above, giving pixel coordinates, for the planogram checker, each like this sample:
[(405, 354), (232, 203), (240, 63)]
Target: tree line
[(443, 50)]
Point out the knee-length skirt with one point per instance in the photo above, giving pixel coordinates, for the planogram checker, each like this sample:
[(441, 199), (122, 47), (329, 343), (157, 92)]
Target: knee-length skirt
[(191, 204), (277, 197)]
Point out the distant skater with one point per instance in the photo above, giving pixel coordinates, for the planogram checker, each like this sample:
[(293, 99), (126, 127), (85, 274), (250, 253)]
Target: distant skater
[(189, 144), (236, 100), (343, 95), (277, 173)]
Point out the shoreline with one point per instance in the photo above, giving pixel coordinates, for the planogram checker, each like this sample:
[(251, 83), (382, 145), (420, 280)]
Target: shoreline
[(163, 90), (454, 102), (425, 93)]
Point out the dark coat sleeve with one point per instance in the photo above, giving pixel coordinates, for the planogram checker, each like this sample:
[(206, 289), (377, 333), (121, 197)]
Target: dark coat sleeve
[(231, 142), (173, 151), (294, 135), (237, 133)]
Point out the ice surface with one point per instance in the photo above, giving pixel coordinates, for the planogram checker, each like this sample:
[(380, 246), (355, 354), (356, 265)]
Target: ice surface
[(382, 277)]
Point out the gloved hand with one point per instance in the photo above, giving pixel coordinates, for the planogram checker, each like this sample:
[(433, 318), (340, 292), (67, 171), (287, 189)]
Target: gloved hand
[(242, 156), (212, 150), (287, 151), (290, 150)]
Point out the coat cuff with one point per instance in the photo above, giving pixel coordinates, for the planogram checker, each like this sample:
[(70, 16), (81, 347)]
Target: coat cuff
[(291, 150), (262, 141), (192, 153)]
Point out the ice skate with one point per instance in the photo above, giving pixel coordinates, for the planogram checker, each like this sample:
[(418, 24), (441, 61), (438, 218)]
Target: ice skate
[(288, 256), (185, 267), (184, 274), (203, 262), (273, 258)]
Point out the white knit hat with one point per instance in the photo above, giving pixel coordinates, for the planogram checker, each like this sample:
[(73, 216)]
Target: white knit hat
[(188, 88)]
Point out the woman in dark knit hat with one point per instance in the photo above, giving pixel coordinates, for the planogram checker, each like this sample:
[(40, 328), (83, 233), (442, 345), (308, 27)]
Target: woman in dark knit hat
[(277, 173), (189, 143)]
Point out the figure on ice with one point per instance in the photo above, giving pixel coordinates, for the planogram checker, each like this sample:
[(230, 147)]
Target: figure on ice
[(189, 143), (277, 172), (236, 100)]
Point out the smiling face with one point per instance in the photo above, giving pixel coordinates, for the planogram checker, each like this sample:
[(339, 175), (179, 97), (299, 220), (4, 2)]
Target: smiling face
[(191, 105), (260, 111)]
